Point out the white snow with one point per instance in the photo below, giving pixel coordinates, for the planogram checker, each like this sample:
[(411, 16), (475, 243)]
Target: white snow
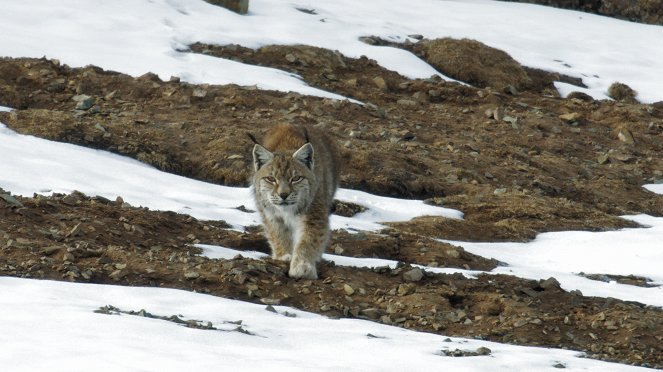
[(52, 326), (657, 188), (564, 255), (139, 36)]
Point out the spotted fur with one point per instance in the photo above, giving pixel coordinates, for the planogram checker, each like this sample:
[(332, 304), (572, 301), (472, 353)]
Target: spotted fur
[(295, 178)]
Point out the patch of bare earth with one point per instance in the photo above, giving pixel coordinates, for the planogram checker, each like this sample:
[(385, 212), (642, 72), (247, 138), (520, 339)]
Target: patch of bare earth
[(516, 164), (93, 240)]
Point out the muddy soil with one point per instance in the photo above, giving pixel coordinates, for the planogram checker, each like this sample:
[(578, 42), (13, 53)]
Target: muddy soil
[(94, 240), (517, 163), (643, 11)]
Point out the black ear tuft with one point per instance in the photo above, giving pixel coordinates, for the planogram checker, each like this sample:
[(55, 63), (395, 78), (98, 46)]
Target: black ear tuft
[(252, 138)]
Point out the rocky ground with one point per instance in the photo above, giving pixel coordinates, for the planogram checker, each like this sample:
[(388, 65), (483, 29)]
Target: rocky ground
[(643, 11), (516, 159)]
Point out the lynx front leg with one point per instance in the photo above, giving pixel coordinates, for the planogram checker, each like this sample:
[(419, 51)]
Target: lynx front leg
[(308, 249), (280, 239)]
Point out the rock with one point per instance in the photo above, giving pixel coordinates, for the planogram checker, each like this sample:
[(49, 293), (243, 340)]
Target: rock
[(83, 102), (484, 351), (580, 96), (50, 250), (405, 289), (290, 58), (452, 253), (350, 82), (624, 135), (622, 92), (118, 274), (270, 301), (72, 199), (380, 83), (348, 290), (10, 200), (237, 6), (570, 117), (406, 102), (371, 313), (475, 63), (76, 230), (500, 190), (191, 275), (550, 283), (519, 323), (413, 275), (498, 114), (199, 93)]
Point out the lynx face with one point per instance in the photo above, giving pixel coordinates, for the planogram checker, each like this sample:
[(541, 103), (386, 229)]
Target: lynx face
[(284, 181)]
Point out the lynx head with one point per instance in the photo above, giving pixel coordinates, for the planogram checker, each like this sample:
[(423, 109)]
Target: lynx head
[(284, 180)]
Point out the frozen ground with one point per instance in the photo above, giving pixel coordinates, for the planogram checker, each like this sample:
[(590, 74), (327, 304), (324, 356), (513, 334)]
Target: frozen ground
[(140, 36)]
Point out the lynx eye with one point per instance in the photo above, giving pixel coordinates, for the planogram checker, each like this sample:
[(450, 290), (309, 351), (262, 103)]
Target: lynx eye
[(270, 179), (296, 179)]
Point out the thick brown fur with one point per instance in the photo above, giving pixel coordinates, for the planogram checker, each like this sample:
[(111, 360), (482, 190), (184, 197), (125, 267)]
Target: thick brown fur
[(294, 185)]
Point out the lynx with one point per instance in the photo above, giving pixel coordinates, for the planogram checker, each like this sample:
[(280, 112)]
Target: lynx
[(294, 183)]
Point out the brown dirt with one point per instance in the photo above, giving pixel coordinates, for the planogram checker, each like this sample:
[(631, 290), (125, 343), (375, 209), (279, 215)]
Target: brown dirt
[(644, 11), (475, 63), (516, 164), (76, 238)]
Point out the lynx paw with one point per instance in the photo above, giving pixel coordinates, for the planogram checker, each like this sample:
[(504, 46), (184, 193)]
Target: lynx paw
[(283, 257), (303, 270)]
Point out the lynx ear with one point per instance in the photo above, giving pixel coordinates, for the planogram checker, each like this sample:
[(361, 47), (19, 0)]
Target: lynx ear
[(305, 155), (261, 156)]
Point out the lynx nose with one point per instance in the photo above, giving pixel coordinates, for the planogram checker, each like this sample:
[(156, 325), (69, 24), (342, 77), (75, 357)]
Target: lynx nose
[(284, 195)]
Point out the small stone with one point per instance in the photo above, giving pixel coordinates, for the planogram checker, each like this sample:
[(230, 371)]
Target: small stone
[(603, 158), (570, 117), (550, 283), (405, 289), (348, 290), (191, 275), (75, 230), (270, 301), (118, 275), (498, 114), (50, 250), (350, 82), (199, 93), (83, 102), (624, 135), (520, 323), (11, 200), (413, 275), (290, 58), (380, 83), (484, 351), (68, 256), (452, 253), (500, 190), (406, 102), (371, 313)]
